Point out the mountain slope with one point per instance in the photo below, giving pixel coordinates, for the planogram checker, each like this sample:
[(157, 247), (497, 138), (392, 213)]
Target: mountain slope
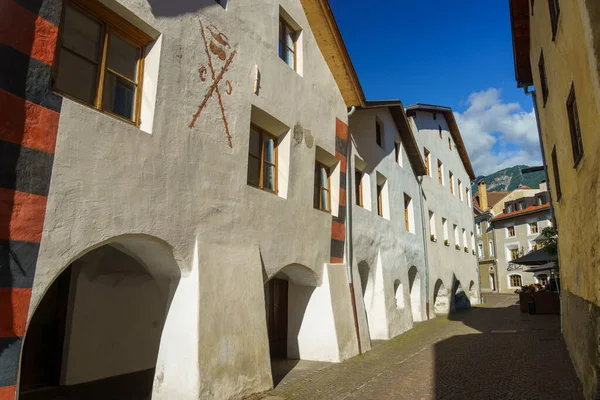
[(509, 179)]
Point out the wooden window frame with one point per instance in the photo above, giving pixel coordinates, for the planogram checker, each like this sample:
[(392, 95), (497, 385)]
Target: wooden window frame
[(531, 225), (554, 7), (358, 175), (284, 24), (510, 229), (262, 133), (514, 253), (380, 200), (520, 281), (556, 174), (110, 22), (319, 187), (574, 127), (407, 212), (543, 78)]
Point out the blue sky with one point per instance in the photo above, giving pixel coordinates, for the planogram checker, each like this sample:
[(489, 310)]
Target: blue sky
[(438, 52)]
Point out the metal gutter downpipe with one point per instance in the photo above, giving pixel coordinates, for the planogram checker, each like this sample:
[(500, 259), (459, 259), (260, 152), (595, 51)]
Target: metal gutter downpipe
[(349, 254), (425, 252)]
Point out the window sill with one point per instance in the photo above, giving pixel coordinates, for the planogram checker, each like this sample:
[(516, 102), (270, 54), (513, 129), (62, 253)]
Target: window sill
[(323, 211), (263, 190)]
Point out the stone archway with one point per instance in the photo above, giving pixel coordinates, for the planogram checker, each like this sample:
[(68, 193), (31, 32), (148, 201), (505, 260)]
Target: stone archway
[(461, 300), (97, 330), (414, 284), (441, 301)]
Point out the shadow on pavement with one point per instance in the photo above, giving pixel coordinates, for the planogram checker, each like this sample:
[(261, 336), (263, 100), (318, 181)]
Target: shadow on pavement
[(510, 355)]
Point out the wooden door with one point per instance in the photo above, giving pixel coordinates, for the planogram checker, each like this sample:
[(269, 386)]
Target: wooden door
[(276, 299), (42, 355)]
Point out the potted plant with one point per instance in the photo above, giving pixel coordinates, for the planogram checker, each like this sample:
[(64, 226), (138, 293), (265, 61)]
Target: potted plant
[(466, 249), (526, 296), (433, 239), (446, 242), (457, 247)]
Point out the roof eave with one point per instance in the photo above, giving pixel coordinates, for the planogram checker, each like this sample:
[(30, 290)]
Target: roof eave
[(519, 21)]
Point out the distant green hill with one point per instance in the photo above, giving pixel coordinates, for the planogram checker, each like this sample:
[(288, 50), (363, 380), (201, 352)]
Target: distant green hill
[(509, 179)]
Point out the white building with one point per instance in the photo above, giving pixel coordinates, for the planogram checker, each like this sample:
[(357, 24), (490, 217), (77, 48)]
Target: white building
[(453, 269), (194, 187), (387, 233)]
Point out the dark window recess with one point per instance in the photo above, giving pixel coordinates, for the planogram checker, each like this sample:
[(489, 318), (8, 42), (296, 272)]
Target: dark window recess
[(532, 5), (554, 6), (575, 128), (556, 175), (378, 134), (543, 81)]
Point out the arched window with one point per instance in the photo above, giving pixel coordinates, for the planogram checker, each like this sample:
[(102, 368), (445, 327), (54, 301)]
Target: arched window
[(515, 281)]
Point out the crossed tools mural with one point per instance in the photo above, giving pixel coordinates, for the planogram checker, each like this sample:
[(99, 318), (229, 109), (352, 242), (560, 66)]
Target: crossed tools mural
[(217, 47)]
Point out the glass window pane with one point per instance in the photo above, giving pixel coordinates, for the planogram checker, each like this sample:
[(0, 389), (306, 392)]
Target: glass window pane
[(282, 51), (289, 38), (269, 177), (289, 58), (324, 200), (254, 147), (269, 149), (253, 171), (324, 182), (76, 77), (122, 57), (81, 34), (118, 96)]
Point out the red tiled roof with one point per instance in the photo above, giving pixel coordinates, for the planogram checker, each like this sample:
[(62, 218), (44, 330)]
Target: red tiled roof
[(528, 210)]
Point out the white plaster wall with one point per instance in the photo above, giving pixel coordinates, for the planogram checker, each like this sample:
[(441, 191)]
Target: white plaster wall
[(384, 244), (116, 318), (523, 238), (182, 185), (445, 262)]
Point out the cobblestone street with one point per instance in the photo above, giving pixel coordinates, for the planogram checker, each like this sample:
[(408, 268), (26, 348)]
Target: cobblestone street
[(489, 352)]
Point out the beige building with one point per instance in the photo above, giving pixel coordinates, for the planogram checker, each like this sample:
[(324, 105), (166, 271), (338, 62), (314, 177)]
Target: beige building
[(556, 49)]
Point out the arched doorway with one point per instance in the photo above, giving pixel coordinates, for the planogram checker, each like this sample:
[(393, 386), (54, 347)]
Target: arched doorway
[(461, 300), (96, 332), (293, 309), (414, 284), (441, 304)]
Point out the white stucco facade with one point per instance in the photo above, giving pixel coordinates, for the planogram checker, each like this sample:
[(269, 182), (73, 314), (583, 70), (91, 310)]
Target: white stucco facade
[(176, 200), (453, 272), (388, 261)]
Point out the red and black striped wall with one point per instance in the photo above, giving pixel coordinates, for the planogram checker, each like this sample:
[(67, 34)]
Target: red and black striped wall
[(29, 114), (338, 224)]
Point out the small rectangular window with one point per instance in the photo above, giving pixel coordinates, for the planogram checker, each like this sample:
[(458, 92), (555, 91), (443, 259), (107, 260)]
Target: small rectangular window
[(380, 200), (100, 61), (450, 143), (521, 205), (511, 231), (543, 81), (460, 195), (440, 131), (540, 201), (322, 195), (556, 175), (434, 116), (358, 187), (407, 210), (379, 133), (262, 160), (554, 6), (287, 43), (532, 6), (445, 229), (427, 162), (515, 280), (451, 180), (533, 227), (440, 173), (574, 127), (514, 254)]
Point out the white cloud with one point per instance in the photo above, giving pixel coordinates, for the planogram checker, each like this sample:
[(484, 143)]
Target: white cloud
[(497, 134)]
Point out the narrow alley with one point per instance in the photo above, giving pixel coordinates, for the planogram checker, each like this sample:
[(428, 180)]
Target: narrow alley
[(492, 351)]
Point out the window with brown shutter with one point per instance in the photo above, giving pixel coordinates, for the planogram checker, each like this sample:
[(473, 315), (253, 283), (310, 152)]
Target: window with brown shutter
[(574, 127)]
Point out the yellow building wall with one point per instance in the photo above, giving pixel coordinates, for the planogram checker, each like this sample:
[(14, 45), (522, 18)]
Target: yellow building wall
[(571, 59)]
